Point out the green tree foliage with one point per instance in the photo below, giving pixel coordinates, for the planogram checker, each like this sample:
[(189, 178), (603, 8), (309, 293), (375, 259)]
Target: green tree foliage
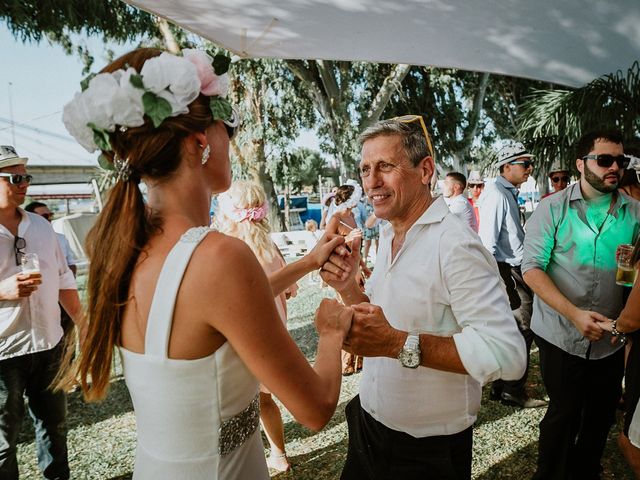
[(552, 120), (301, 168), (347, 96)]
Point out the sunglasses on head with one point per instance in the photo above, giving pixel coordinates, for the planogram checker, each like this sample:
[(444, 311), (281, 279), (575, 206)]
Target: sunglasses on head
[(564, 178), (18, 244), (413, 118), (525, 163), (17, 178), (605, 160)]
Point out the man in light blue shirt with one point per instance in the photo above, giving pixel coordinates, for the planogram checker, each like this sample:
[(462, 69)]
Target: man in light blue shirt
[(570, 264), (502, 234)]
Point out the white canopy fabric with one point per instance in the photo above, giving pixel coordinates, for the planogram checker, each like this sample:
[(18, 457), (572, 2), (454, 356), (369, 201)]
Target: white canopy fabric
[(569, 42)]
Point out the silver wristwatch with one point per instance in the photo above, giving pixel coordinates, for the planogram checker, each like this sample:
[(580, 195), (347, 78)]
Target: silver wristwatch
[(410, 356)]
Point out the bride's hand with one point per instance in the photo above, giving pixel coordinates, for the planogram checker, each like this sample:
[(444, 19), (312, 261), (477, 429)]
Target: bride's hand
[(329, 243), (333, 317)]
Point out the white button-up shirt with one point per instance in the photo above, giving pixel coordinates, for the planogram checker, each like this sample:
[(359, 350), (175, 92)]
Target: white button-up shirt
[(32, 324), (461, 207), (445, 283)]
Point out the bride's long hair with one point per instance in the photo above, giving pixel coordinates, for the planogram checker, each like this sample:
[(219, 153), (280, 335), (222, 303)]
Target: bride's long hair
[(123, 228)]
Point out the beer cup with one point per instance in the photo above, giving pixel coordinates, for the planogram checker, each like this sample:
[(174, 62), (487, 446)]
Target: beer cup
[(626, 273)]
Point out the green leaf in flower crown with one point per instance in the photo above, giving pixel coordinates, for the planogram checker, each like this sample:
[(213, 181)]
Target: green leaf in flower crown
[(100, 137), (136, 81), (84, 84), (221, 64), (156, 108), (220, 108), (104, 163)]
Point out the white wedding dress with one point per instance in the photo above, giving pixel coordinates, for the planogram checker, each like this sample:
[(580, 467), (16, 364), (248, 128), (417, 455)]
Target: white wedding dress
[(196, 419)]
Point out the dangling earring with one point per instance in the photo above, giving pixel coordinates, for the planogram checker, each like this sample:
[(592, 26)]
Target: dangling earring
[(205, 154)]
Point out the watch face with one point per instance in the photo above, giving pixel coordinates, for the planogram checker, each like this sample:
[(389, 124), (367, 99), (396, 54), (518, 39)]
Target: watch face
[(410, 358)]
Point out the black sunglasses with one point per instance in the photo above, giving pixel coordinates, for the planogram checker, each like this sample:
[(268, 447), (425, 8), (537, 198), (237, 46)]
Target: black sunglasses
[(605, 160), (525, 163), (17, 178), (564, 178), (18, 244)]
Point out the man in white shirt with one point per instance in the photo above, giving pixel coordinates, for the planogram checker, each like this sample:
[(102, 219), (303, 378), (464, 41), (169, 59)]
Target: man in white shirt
[(437, 327), (30, 331), (453, 193)]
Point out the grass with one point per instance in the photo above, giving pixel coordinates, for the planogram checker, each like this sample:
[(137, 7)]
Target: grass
[(102, 436)]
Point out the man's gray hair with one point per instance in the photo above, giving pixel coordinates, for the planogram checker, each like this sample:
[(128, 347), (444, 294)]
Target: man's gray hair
[(413, 139)]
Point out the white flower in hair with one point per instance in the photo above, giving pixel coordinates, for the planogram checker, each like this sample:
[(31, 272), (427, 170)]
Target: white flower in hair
[(99, 98), (75, 117), (128, 108), (173, 79)]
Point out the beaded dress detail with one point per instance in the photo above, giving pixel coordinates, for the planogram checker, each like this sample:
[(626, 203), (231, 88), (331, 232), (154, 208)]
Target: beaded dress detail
[(196, 419)]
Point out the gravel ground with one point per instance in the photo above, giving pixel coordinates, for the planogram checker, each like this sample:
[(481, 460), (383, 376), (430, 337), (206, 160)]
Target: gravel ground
[(102, 436)]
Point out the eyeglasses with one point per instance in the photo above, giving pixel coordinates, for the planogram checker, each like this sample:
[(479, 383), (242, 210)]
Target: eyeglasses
[(563, 178), (17, 178), (476, 185), (18, 244), (48, 216), (605, 161), (525, 163), (413, 118)]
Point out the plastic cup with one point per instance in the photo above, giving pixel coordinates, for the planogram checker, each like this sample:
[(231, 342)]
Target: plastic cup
[(30, 263), (626, 273)]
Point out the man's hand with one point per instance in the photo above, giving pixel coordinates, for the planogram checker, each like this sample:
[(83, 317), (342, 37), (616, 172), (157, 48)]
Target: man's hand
[(589, 324), (19, 285), (340, 269), (371, 335)]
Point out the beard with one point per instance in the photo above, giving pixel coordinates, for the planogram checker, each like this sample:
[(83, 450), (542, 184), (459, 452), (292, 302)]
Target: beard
[(598, 183)]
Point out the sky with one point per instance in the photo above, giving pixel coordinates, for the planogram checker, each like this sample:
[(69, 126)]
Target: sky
[(36, 80)]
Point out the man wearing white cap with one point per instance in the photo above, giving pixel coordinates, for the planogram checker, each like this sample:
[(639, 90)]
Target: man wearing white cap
[(502, 234), (30, 330), (559, 177)]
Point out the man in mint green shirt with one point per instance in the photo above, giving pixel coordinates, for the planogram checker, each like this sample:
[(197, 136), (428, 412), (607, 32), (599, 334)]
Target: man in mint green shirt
[(569, 263)]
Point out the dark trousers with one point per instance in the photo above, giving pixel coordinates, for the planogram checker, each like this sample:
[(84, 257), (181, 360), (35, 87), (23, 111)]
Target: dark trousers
[(583, 398), (377, 452), (31, 375), (521, 302)]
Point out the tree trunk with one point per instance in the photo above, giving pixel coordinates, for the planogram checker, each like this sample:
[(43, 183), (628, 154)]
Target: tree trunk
[(169, 40)]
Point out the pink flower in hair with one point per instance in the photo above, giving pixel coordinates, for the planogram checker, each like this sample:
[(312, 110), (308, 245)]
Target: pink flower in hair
[(210, 83)]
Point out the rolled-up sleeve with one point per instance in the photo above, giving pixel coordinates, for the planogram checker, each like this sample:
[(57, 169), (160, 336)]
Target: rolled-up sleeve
[(492, 212), (489, 344), (539, 238)]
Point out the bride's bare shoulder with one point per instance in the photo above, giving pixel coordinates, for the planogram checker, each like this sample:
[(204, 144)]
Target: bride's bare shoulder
[(220, 251)]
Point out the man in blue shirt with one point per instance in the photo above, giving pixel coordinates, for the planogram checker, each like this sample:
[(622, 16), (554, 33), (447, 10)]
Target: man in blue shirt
[(502, 234), (570, 264)]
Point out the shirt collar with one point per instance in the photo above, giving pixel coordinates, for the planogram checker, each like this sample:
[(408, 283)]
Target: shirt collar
[(506, 183), (435, 213)]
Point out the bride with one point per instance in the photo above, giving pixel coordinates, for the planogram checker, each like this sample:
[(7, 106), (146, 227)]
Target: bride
[(190, 309)]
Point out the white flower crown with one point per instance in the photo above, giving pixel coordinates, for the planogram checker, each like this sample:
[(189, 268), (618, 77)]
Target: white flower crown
[(353, 200), (165, 87)]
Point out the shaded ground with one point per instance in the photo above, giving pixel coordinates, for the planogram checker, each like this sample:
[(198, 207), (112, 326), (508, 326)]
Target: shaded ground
[(102, 436)]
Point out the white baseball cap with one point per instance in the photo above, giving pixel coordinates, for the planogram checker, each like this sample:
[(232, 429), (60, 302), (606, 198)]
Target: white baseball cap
[(9, 157), (510, 152)]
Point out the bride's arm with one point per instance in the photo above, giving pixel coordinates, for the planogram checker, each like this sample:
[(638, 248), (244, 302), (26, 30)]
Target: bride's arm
[(314, 260), (242, 309)]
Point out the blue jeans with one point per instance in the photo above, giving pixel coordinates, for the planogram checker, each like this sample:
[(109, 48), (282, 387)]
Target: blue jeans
[(31, 375)]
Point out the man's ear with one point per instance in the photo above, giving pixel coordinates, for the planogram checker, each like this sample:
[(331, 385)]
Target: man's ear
[(580, 165), (428, 168)]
